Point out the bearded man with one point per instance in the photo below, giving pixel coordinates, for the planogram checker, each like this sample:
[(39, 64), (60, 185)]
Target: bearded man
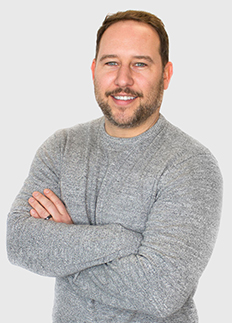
[(124, 210)]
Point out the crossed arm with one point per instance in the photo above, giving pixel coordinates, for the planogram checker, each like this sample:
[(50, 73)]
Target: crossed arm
[(59, 248), (158, 279), (154, 273)]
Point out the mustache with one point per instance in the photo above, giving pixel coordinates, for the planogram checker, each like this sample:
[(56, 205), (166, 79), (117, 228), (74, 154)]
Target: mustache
[(126, 91)]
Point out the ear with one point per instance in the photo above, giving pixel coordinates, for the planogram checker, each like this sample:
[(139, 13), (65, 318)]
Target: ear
[(168, 71), (93, 66)]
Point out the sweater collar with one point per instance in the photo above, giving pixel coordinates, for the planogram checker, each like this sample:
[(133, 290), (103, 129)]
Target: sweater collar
[(146, 136)]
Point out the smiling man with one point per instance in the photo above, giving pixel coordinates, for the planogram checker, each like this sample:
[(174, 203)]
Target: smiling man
[(124, 210), (129, 77)]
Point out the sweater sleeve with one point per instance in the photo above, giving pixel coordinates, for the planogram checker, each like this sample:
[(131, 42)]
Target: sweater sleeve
[(177, 243), (57, 249)]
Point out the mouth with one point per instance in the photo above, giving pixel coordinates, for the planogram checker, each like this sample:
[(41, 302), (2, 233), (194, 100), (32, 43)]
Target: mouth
[(123, 100), (124, 97)]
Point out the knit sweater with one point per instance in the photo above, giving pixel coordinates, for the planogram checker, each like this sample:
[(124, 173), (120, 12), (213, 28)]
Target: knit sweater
[(146, 213)]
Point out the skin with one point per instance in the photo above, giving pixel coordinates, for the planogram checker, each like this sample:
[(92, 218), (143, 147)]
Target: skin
[(129, 59), (129, 64), (49, 203)]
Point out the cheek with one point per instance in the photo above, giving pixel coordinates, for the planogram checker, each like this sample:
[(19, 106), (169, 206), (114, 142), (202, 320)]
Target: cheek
[(148, 84), (145, 81), (145, 87), (104, 82)]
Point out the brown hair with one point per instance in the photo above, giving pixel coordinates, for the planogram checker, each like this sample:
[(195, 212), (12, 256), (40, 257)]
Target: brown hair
[(140, 16)]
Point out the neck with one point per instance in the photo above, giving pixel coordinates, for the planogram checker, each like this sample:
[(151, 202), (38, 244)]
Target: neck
[(115, 131)]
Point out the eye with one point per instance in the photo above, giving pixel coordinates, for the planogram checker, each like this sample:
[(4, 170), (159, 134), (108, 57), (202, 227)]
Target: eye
[(111, 63), (139, 64)]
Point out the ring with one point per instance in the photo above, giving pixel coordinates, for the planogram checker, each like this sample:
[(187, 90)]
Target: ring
[(48, 217)]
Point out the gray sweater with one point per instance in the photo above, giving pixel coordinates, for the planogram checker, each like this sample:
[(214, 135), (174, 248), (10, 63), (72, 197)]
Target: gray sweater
[(146, 213)]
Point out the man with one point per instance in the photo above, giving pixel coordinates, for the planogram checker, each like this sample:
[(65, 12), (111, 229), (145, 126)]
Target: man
[(124, 210)]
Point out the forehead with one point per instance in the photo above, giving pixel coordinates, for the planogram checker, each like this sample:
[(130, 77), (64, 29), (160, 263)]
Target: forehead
[(129, 37)]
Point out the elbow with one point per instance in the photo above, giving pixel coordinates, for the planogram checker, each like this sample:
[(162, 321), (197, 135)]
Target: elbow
[(13, 250), (169, 296), (10, 254), (11, 247), (12, 243), (164, 308), (174, 298), (17, 253)]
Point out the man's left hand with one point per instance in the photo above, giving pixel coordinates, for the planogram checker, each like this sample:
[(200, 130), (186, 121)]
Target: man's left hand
[(48, 204)]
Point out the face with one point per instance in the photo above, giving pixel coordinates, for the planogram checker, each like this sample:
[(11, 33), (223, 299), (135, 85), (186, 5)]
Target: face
[(129, 78)]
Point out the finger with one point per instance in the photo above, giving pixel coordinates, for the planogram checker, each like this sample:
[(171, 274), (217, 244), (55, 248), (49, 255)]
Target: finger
[(47, 205), (64, 216), (34, 214), (56, 201), (38, 208)]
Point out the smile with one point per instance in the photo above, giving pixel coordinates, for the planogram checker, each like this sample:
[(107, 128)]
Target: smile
[(124, 98)]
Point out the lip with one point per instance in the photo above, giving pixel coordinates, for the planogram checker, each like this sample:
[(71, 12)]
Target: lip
[(123, 101)]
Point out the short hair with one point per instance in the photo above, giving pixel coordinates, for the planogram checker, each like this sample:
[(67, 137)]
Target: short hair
[(140, 16)]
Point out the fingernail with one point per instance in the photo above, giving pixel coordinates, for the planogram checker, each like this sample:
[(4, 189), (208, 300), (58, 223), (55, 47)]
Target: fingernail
[(46, 191), (33, 212)]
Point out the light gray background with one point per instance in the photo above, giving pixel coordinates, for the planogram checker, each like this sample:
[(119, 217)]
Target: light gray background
[(45, 83)]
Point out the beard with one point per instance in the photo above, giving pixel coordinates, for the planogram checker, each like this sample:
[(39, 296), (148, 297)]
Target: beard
[(143, 111)]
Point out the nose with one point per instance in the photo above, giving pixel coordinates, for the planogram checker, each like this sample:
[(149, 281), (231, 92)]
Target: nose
[(124, 77)]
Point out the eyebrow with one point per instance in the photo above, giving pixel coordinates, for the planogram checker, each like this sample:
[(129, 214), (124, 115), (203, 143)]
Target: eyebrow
[(144, 57), (147, 58), (107, 56)]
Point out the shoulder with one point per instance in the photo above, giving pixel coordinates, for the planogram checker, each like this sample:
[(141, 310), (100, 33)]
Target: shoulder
[(80, 130), (181, 155), (77, 136), (179, 146)]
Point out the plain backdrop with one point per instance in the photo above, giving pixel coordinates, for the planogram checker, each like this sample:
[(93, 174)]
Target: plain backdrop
[(46, 49)]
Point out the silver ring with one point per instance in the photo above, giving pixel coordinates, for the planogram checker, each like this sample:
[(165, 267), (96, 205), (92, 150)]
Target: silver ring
[(48, 217)]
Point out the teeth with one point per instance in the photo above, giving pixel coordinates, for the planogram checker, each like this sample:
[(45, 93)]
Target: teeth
[(124, 98)]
